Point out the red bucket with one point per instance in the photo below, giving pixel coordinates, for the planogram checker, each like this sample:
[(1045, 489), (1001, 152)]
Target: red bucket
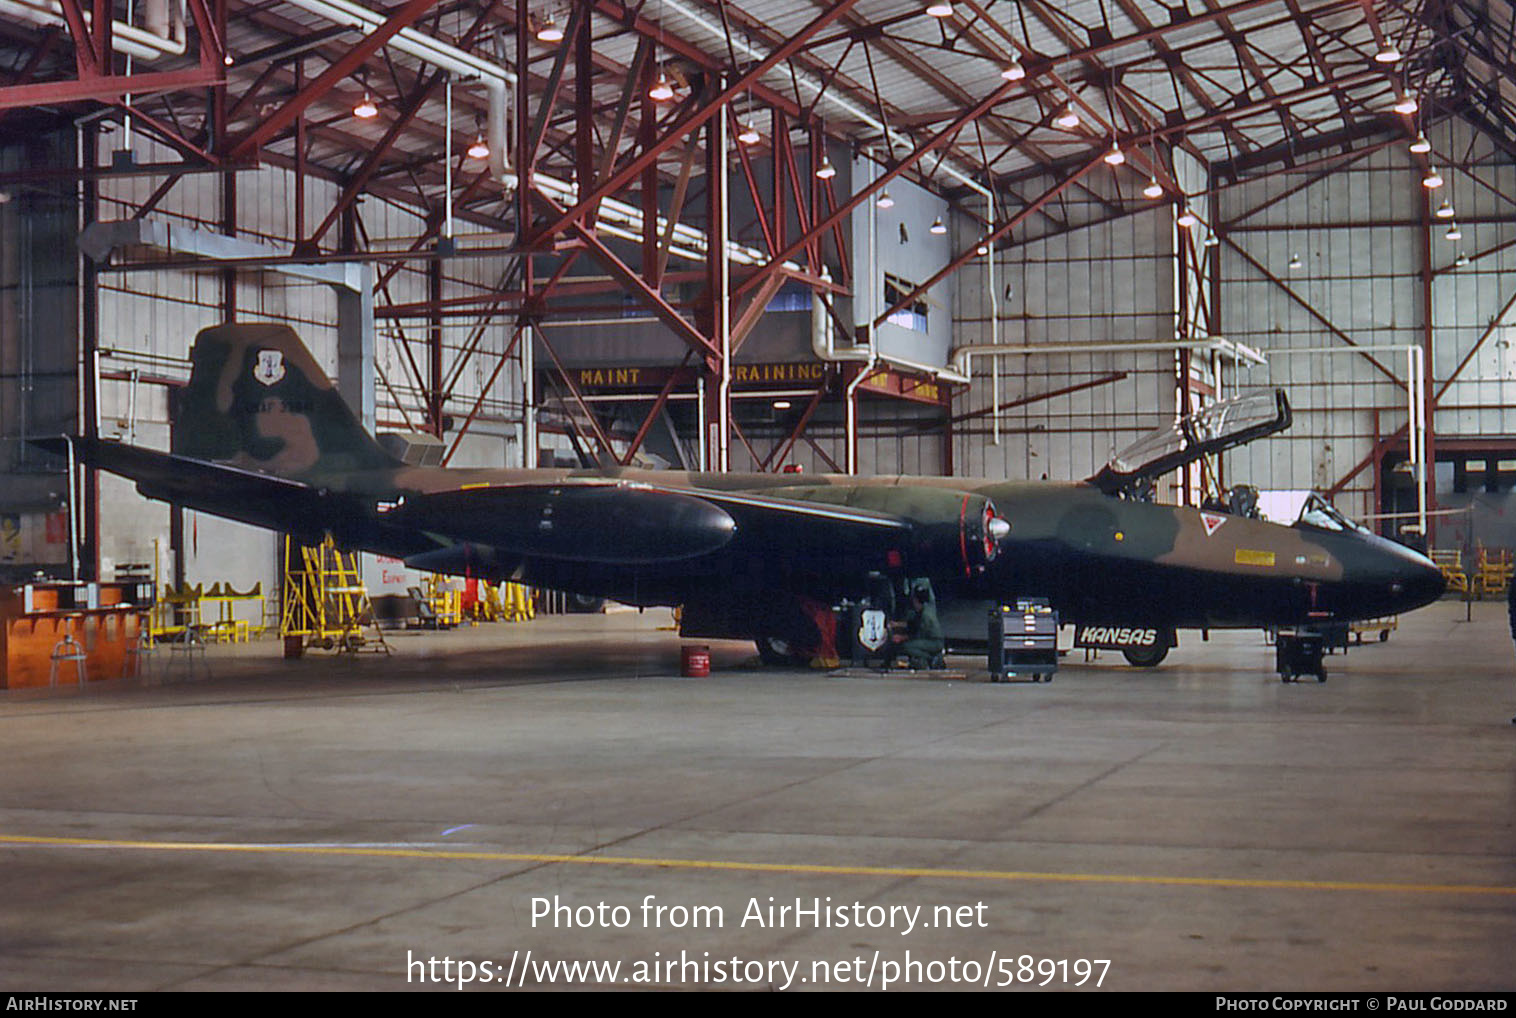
[(695, 661)]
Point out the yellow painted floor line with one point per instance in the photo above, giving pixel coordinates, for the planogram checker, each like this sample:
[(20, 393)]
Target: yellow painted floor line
[(802, 869)]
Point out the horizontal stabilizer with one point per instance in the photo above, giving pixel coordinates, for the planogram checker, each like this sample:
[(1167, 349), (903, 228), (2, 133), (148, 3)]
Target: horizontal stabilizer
[(244, 495), (605, 523)]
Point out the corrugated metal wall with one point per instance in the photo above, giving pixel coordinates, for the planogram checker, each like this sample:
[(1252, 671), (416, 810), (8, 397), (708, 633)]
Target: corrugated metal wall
[(1361, 248), (1107, 282)]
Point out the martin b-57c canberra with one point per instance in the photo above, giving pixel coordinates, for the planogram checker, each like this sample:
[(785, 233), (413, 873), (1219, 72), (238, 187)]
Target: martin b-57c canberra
[(262, 436)]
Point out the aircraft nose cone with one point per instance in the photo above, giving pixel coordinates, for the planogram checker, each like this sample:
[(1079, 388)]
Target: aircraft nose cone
[(1422, 583), (1415, 580)]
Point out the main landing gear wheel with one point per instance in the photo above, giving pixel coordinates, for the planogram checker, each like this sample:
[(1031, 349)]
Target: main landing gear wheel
[(774, 649), (1145, 657)]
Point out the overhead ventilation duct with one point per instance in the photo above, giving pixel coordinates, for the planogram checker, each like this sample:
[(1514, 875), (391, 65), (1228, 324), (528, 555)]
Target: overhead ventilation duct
[(163, 36), (465, 66)]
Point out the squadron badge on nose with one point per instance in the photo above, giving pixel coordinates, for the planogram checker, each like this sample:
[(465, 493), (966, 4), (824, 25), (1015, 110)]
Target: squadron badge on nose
[(270, 366)]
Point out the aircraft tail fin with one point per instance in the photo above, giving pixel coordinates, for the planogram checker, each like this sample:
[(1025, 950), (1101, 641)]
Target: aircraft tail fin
[(258, 400)]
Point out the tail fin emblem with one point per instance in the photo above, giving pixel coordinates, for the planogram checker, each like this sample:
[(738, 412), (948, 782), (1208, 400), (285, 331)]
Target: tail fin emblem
[(270, 366)]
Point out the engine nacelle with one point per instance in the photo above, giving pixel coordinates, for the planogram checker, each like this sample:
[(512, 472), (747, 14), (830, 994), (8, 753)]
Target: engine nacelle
[(963, 531), (952, 531)]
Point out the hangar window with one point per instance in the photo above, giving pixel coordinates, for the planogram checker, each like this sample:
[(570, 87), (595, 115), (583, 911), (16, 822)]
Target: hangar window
[(913, 315)]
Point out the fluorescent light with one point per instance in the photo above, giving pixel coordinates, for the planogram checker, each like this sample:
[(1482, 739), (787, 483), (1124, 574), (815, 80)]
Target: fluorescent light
[(749, 134), (1115, 157), (1454, 233), (1388, 54), (1013, 71), (1068, 119), (940, 9), (826, 171), (1432, 180), (366, 110), (1445, 210), (884, 200), (1154, 189), (1421, 146), (1406, 104)]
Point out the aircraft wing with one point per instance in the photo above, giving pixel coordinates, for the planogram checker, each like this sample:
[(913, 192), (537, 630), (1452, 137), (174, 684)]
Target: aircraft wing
[(622, 523), (247, 496)]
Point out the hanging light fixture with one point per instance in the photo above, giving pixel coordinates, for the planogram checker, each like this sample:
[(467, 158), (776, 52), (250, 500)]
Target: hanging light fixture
[(1461, 260), (782, 404), (1406, 104), (1187, 218), (1432, 180), (1115, 157), (366, 110), (749, 134), (549, 31), (479, 148), (1445, 210), (938, 226), (1387, 54), (662, 90), (982, 250), (1154, 189), (1013, 71), (1454, 233), (940, 9), (1295, 261), (1421, 146), (884, 200), (1068, 119)]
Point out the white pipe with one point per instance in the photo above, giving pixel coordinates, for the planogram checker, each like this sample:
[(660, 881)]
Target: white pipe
[(989, 266), (125, 38), (724, 294), (963, 356), (528, 411), (824, 333), (447, 158)]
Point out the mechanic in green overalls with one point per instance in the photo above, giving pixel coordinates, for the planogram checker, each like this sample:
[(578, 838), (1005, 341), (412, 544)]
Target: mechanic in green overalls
[(918, 637)]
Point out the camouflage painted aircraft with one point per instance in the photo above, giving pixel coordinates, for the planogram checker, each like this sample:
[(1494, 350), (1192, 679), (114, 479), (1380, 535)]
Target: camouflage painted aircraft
[(263, 437)]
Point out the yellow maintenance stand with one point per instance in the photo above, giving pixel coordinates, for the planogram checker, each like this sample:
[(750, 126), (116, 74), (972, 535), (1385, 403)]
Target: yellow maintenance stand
[(324, 602)]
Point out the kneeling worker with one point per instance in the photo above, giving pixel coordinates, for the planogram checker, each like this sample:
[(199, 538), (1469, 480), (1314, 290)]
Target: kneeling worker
[(919, 635)]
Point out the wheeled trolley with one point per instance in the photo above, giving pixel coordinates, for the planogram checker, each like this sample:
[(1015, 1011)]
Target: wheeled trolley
[(1300, 652), (1023, 641)]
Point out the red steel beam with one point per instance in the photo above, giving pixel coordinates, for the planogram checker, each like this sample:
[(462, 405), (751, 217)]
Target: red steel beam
[(106, 86), (344, 65), (933, 143), (782, 450), (657, 408), (695, 120), (650, 297)]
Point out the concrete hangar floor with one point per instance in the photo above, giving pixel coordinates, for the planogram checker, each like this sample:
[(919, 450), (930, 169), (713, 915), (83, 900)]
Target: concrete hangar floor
[(485, 794)]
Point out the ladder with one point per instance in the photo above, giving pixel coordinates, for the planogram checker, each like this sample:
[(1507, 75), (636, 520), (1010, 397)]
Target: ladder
[(324, 601)]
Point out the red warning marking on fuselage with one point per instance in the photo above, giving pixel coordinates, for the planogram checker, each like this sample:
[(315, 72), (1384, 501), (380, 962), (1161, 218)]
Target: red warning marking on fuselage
[(1212, 522)]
